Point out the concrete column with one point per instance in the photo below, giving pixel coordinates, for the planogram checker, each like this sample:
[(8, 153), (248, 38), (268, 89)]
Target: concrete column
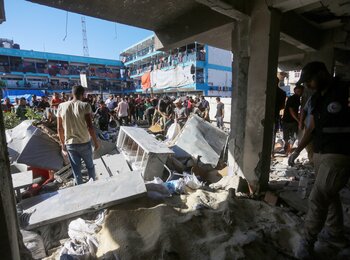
[(9, 231), (253, 116), (240, 64)]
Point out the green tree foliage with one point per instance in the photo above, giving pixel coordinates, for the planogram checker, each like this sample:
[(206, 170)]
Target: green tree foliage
[(11, 120), (33, 115)]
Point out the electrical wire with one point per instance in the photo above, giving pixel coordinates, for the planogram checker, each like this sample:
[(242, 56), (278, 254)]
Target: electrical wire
[(115, 31), (66, 27)]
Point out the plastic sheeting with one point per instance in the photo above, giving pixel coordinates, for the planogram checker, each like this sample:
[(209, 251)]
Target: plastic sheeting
[(146, 80), (27, 144), (177, 77), (199, 138)]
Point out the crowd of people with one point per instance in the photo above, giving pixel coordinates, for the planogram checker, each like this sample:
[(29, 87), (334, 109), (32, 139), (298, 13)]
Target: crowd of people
[(125, 110), (155, 110), (169, 60)]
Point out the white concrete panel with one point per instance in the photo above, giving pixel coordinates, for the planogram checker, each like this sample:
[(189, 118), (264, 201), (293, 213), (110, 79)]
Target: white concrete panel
[(219, 78), (22, 179), (89, 197), (220, 57)]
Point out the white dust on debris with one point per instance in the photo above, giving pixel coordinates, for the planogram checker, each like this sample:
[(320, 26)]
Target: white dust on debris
[(201, 225)]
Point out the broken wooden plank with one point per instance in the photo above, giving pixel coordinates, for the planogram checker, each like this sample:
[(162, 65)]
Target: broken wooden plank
[(74, 201)]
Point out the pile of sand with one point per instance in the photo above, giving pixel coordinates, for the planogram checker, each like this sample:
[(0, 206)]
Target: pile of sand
[(201, 225)]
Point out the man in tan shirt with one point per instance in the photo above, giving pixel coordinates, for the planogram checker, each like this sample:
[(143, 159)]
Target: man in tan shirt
[(75, 128)]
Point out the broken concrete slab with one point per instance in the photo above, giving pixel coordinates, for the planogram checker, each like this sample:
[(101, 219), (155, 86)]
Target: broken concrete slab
[(234, 182), (26, 138), (74, 201), (199, 138), (116, 163), (110, 165), (100, 170), (105, 148)]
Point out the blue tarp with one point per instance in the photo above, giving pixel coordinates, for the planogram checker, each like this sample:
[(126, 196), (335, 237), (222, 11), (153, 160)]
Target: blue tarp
[(18, 93)]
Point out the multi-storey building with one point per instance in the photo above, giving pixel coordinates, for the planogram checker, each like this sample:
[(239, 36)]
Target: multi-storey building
[(24, 69), (192, 69)]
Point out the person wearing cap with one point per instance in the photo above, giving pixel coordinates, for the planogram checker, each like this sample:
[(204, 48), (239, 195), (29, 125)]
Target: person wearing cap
[(329, 131)]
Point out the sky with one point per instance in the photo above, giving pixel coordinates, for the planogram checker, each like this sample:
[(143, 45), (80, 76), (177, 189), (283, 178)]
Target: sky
[(41, 28)]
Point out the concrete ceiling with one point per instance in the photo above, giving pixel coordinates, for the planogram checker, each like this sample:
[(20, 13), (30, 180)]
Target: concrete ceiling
[(2, 12), (304, 24)]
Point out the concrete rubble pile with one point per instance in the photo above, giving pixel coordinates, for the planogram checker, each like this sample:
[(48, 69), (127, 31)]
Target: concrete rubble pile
[(174, 199)]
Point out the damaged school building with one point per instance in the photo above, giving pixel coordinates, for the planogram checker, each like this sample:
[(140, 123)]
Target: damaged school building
[(225, 220)]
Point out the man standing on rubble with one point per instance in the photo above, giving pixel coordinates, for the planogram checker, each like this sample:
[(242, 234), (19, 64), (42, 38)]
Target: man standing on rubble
[(329, 131), (290, 120), (75, 128), (219, 113), (204, 107)]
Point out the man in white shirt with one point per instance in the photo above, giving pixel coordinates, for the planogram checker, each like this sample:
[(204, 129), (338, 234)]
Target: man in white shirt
[(110, 103), (75, 128), (123, 111)]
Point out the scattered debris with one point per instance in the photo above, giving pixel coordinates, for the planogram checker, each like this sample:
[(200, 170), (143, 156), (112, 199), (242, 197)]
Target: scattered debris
[(34, 243), (83, 242)]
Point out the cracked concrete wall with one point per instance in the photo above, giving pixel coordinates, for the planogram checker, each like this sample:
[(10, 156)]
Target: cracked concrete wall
[(252, 120)]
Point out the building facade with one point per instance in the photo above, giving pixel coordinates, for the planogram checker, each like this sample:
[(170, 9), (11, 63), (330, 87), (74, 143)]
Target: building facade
[(24, 69), (192, 69)]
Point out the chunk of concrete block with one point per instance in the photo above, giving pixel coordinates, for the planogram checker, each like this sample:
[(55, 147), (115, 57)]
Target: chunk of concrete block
[(234, 182), (34, 243)]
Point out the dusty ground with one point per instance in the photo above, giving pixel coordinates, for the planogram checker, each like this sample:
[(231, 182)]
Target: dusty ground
[(209, 224), (201, 225)]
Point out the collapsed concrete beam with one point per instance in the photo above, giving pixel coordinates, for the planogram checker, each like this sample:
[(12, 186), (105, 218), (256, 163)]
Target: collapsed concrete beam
[(289, 52), (237, 10), (189, 25), (288, 5), (218, 37), (296, 31), (2, 12)]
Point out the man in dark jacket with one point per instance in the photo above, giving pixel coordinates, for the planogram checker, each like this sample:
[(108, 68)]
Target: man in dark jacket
[(329, 131), (290, 120)]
